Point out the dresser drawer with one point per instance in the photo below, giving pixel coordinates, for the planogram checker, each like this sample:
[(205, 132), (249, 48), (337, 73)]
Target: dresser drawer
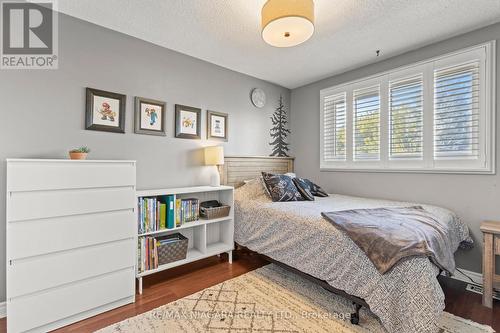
[(47, 204), (47, 271), (47, 306), (63, 174), (37, 237)]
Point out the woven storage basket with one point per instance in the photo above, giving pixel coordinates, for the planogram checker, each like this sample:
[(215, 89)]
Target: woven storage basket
[(215, 212), (177, 250)]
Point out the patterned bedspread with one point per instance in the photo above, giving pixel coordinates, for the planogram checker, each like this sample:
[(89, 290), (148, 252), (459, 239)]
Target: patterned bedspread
[(406, 299)]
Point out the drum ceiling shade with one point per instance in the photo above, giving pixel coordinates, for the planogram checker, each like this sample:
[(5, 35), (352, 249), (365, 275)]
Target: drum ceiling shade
[(287, 23)]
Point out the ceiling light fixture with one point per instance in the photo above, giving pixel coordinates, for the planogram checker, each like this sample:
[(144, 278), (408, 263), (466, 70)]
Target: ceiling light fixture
[(287, 23)]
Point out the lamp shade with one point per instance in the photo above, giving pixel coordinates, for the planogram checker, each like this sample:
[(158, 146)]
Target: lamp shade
[(214, 155), (287, 23)]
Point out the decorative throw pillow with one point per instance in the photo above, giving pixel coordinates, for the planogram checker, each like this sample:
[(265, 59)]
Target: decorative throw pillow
[(307, 185), (289, 174), (281, 187), (304, 188), (263, 183)]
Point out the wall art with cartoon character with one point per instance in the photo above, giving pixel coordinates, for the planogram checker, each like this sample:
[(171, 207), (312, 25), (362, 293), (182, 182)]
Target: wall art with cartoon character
[(105, 111), (150, 116), (187, 122)]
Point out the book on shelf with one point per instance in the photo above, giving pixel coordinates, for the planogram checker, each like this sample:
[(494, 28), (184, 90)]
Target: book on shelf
[(163, 215), (166, 212), (178, 212), (154, 214), (187, 210), (170, 212), (148, 254)]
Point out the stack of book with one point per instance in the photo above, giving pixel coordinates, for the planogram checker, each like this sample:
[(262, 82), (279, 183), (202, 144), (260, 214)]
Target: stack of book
[(187, 210), (156, 213), (148, 254)]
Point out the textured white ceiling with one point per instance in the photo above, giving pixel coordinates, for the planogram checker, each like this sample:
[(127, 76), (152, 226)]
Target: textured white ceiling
[(348, 32)]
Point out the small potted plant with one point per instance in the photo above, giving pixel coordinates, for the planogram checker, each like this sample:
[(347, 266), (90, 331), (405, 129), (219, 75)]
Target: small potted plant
[(79, 153)]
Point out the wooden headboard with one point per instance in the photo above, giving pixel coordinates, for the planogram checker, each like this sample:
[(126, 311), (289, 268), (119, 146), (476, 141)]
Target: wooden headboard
[(237, 169)]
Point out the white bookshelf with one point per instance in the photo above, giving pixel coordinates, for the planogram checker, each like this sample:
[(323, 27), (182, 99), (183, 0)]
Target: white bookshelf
[(206, 237)]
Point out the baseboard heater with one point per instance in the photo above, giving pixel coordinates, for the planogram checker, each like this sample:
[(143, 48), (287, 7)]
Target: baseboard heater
[(479, 290)]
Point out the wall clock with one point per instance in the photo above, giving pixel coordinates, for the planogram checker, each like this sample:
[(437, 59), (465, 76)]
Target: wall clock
[(258, 97)]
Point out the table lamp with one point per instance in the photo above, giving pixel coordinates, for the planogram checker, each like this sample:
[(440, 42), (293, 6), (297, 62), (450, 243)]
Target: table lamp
[(214, 156)]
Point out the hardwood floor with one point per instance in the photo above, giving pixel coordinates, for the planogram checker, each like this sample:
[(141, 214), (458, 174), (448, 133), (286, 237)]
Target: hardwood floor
[(179, 282), (468, 305)]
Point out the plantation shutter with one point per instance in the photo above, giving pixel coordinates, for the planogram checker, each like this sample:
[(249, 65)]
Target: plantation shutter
[(334, 128), (366, 117), (456, 112), (437, 115), (406, 118)]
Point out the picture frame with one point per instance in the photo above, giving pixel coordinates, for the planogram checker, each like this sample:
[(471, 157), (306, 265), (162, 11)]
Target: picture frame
[(105, 111), (187, 122), (217, 125), (150, 116)]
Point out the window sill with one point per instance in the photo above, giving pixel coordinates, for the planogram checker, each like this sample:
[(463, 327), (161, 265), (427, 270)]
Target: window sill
[(408, 170)]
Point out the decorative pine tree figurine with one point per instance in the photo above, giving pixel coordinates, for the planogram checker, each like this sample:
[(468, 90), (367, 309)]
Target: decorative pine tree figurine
[(279, 131)]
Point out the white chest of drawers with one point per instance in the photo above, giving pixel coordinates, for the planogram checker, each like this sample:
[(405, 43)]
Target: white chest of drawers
[(70, 240)]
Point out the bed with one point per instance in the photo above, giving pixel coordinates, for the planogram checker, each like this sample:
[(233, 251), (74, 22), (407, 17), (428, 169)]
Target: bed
[(406, 299)]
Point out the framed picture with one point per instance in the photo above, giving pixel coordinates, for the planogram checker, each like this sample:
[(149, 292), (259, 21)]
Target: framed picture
[(105, 111), (217, 125), (150, 116), (187, 122)]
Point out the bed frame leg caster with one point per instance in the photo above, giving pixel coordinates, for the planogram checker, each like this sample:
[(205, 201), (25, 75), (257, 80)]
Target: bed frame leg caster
[(355, 315)]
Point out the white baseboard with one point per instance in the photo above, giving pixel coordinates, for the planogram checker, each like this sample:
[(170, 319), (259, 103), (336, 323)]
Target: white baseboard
[(477, 277), (3, 309)]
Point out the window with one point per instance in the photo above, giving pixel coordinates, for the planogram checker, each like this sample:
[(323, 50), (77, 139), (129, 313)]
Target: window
[(406, 118), (434, 116), (334, 128), (456, 112), (367, 124)]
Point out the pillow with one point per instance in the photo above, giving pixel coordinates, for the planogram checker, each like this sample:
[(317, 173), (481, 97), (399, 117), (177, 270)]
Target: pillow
[(264, 186), (304, 188), (249, 190), (305, 185), (281, 187)]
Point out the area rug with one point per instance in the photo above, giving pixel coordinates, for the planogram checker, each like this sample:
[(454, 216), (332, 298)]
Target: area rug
[(268, 299)]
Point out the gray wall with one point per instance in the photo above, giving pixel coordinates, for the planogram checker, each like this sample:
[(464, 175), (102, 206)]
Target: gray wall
[(42, 112), (473, 197)]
